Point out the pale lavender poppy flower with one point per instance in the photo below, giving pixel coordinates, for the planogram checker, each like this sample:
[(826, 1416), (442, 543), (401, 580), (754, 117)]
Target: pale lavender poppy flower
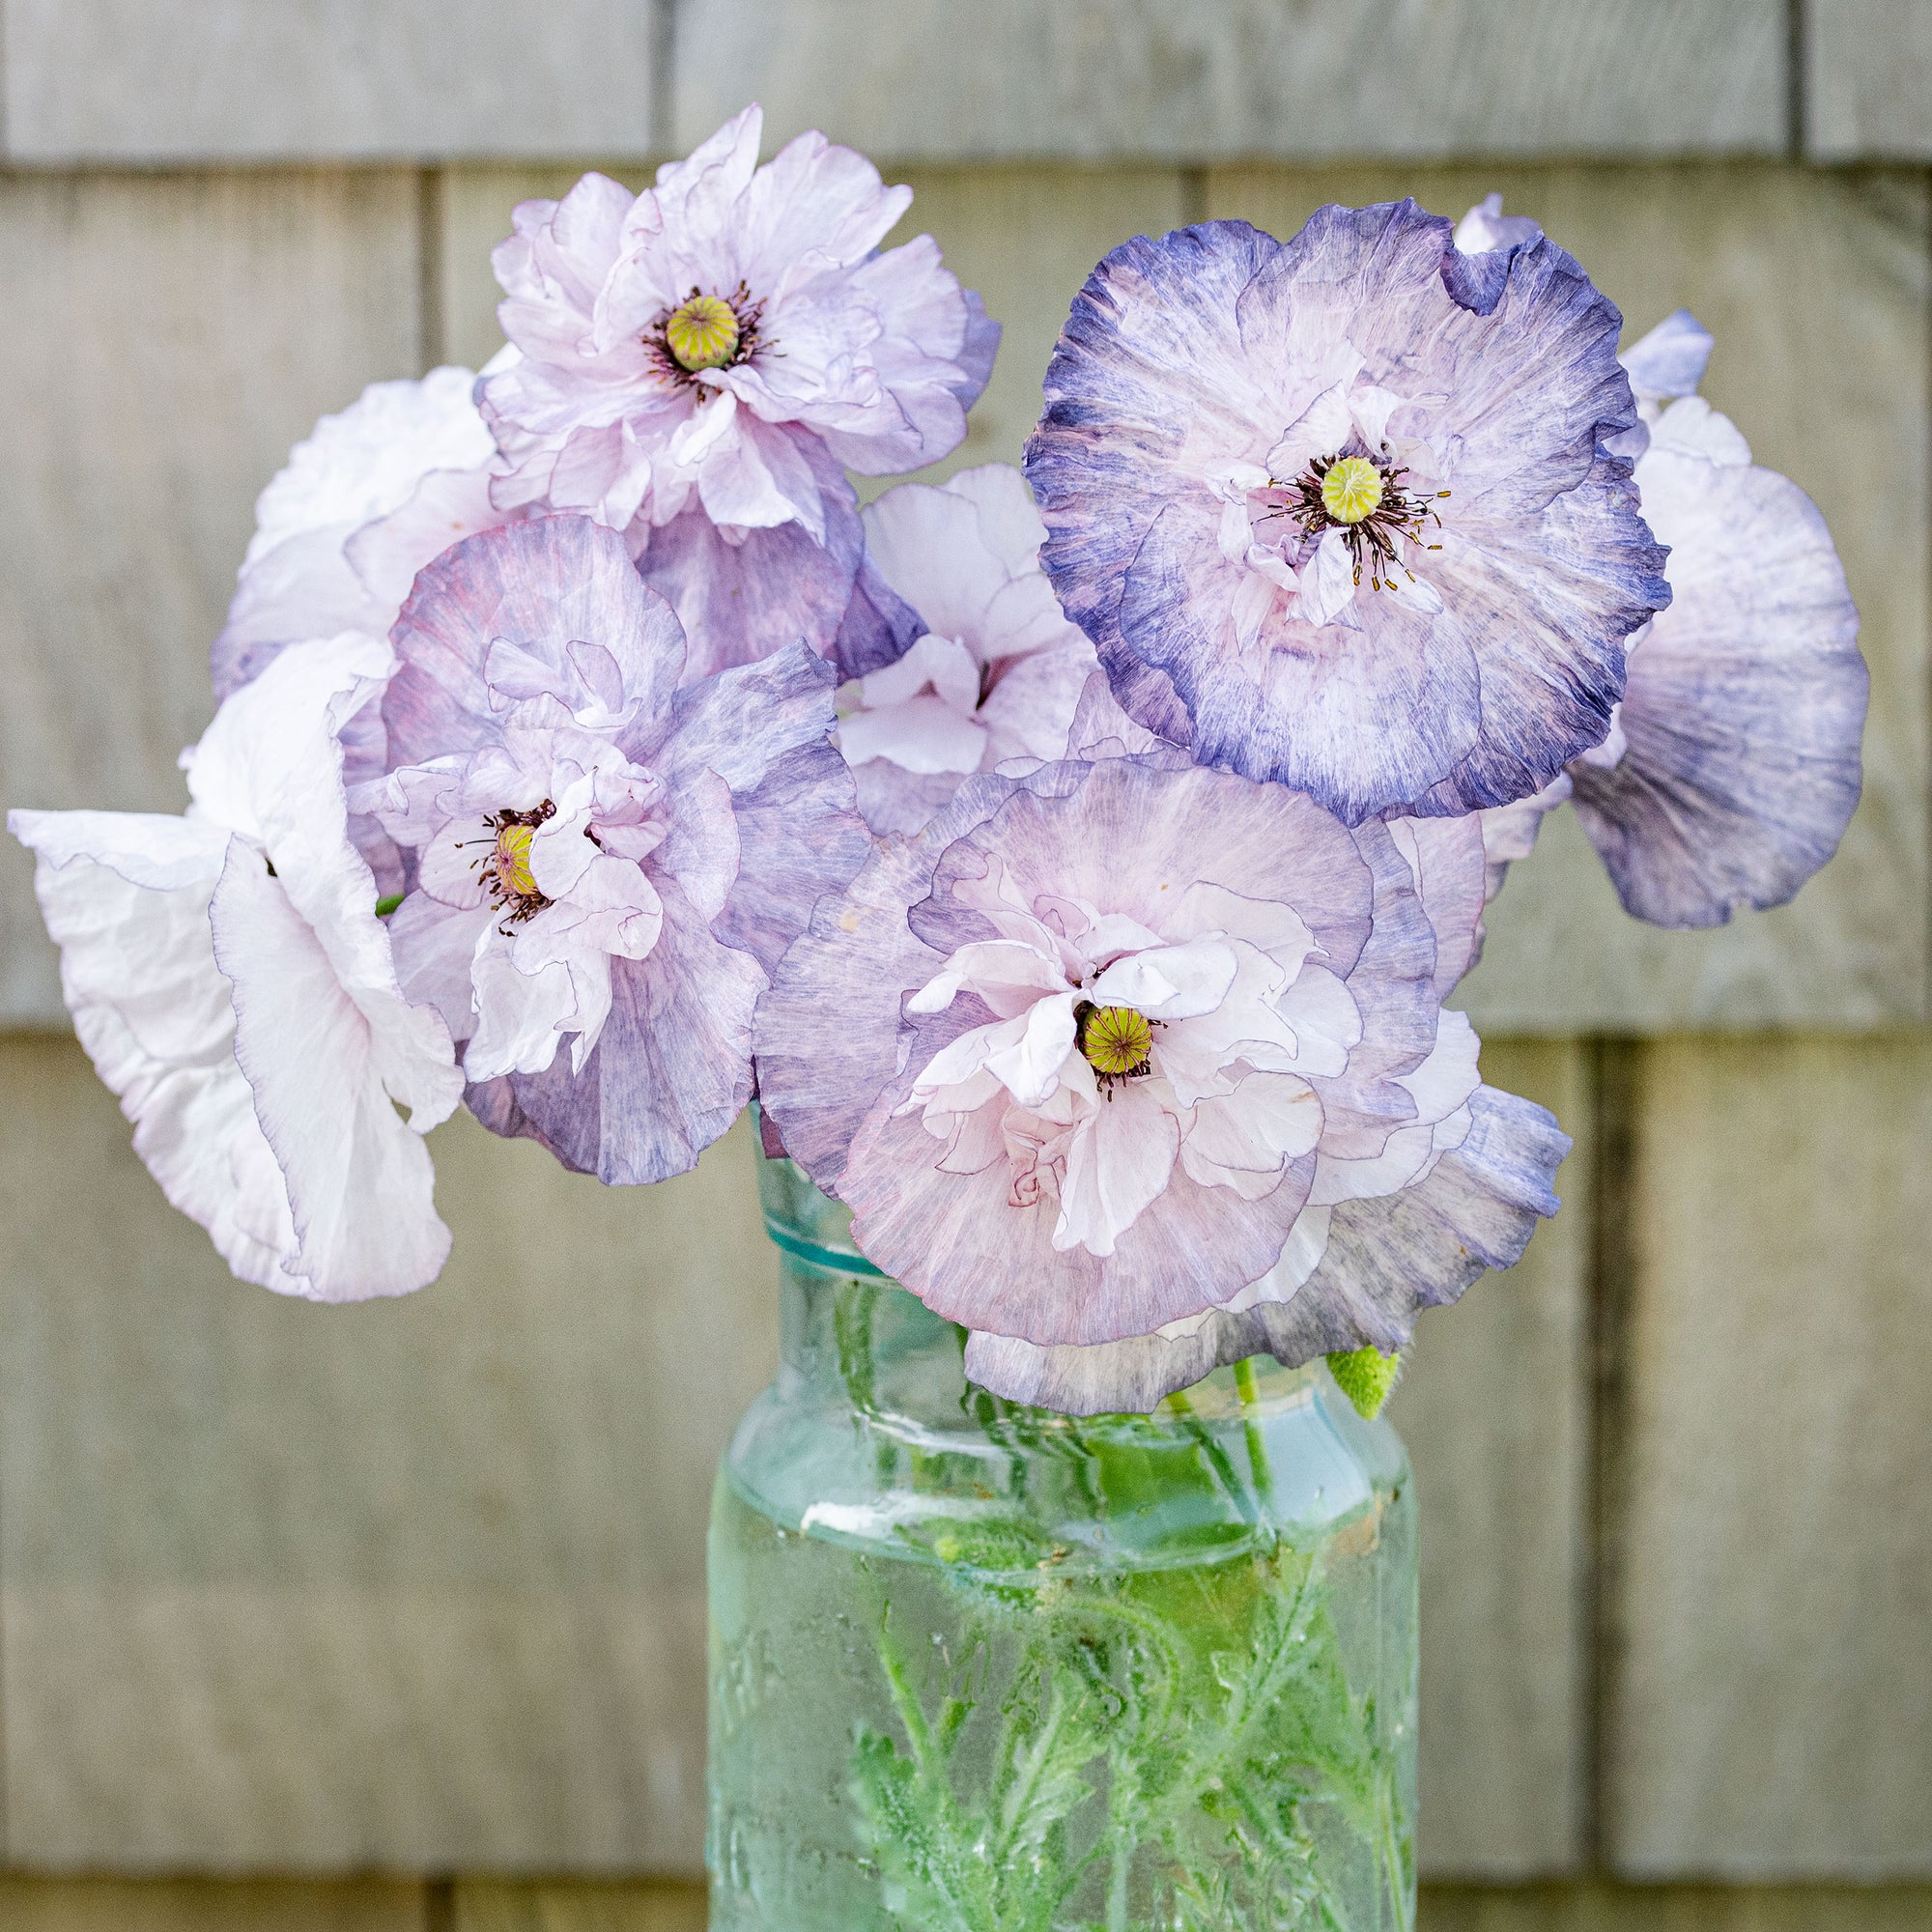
[(996, 669), (1408, 1207), (1338, 512), (608, 863), (698, 365), (233, 985), (1732, 764), (367, 499), (1090, 1055)]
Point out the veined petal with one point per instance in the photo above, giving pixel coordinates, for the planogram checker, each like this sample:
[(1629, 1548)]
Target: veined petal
[(1117, 1162), (358, 1179)]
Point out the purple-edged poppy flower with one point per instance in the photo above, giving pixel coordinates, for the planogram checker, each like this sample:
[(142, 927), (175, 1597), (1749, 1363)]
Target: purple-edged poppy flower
[(699, 364), (1338, 512), (608, 863), (996, 669), (367, 499), (230, 981), (1103, 1049), (1732, 765)]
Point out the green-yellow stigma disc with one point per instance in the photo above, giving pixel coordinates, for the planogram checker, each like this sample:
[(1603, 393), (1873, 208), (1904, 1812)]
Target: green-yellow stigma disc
[(1352, 490), (702, 332), (513, 861), (1116, 1040)]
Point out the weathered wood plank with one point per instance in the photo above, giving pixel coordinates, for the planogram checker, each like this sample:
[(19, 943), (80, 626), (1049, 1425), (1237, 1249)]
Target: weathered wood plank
[(484, 1906), (1494, 1406), (1675, 1907), (1867, 79), (211, 1905), (1773, 1707), (222, 80), (1140, 79), (1026, 239)]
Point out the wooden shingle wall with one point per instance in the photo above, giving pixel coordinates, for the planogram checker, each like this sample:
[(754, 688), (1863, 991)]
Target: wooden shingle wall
[(292, 1595)]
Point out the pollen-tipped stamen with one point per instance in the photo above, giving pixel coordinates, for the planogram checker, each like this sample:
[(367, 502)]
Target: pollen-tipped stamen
[(1364, 498), (506, 865)]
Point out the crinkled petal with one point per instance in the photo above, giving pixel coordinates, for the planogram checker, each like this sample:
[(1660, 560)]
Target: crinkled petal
[(671, 1072), (1382, 1261), (125, 899), (366, 499), (358, 1178), (741, 600), (540, 586), (271, 766), (1671, 360), (1745, 705), (765, 730)]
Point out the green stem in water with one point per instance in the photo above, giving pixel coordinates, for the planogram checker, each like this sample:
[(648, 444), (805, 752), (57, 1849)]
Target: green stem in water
[(1117, 1887), (1216, 1459), (1390, 1852), (1258, 1456)]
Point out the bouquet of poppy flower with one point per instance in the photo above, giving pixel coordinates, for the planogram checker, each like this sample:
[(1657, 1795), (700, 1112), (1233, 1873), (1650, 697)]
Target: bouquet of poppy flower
[(1074, 862)]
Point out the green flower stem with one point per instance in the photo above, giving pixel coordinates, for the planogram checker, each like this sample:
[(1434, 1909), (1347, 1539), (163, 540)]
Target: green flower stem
[(1239, 1493), (1258, 1456), (1389, 1851), (1117, 1885)]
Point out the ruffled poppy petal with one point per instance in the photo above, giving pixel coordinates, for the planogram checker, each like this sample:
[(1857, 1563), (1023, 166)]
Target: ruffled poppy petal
[(1745, 705)]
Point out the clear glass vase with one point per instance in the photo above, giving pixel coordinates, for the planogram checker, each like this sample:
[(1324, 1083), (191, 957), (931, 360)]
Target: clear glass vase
[(976, 1667)]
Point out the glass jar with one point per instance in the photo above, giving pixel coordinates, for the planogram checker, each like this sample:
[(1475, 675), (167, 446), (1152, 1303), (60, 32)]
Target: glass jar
[(978, 1667)]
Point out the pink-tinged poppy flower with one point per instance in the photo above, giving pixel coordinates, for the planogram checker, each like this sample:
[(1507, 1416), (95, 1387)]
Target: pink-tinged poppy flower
[(996, 670), (607, 862), (699, 364), (1338, 512), (367, 499), (1101, 1050), (1732, 764), (233, 985)]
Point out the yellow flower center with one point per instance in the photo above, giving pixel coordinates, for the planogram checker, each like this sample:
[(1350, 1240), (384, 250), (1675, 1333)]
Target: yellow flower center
[(1116, 1040), (1352, 490), (513, 861), (702, 332)]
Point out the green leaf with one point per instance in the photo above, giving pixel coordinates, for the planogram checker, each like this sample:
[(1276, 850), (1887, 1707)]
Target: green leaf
[(1367, 1377)]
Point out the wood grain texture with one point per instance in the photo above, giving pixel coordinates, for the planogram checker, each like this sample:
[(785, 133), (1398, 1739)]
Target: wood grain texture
[(211, 1905), (1774, 1708), (89, 81), (415, 1585), (1816, 288), (1597, 1907), (1493, 1406), (1867, 79), (482, 1906), (1142, 79), (171, 337)]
